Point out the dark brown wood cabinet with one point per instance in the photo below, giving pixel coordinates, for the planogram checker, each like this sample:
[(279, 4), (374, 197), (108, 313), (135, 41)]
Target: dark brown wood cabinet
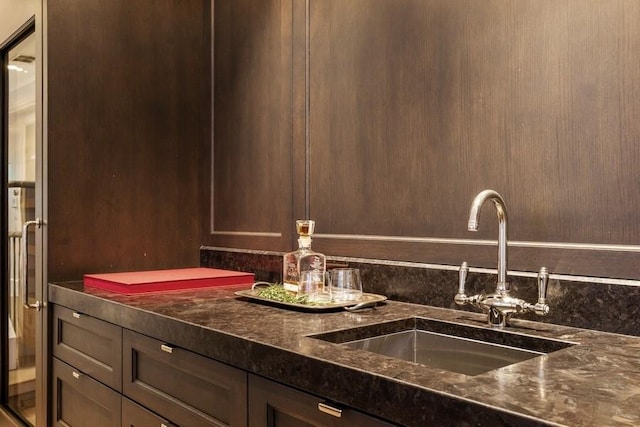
[(86, 370), (275, 405), (93, 359), (91, 345), (163, 385), (134, 415), (79, 400), (189, 389)]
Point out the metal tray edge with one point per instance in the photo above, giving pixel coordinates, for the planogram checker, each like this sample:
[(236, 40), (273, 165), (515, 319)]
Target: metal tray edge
[(366, 297)]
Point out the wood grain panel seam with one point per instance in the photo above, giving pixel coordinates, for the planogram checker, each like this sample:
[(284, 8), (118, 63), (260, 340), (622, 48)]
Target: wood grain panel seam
[(478, 242), (307, 111), (247, 233), (513, 273)]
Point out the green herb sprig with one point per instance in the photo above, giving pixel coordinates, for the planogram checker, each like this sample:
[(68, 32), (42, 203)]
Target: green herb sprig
[(277, 292)]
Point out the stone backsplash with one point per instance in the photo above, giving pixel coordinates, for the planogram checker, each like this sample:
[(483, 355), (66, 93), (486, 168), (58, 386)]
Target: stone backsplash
[(609, 307)]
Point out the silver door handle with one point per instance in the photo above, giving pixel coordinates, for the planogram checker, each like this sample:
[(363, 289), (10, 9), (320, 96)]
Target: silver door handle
[(25, 262)]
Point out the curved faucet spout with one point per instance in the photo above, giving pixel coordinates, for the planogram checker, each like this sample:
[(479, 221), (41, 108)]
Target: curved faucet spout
[(501, 209)]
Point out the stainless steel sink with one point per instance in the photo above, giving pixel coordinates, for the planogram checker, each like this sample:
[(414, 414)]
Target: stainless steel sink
[(455, 354), (454, 347)]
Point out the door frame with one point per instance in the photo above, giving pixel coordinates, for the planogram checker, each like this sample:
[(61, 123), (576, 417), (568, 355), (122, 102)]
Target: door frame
[(32, 26), (43, 354)]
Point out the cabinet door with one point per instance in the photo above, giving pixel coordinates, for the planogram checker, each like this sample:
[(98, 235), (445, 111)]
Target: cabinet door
[(91, 345), (187, 388), (275, 405), (80, 401), (134, 415)]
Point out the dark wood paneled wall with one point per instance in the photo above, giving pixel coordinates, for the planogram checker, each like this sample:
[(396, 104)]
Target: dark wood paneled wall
[(411, 107), (253, 157), (128, 128), (426, 103)]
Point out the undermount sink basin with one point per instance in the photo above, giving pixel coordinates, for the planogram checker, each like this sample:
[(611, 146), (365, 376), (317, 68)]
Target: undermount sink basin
[(454, 347)]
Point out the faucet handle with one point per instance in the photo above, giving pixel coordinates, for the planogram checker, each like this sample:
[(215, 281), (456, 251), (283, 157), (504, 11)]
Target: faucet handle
[(462, 276), (541, 308), (543, 280), (461, 298)]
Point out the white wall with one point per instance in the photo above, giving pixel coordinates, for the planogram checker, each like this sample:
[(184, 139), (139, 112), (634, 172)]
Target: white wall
[(13, 14)]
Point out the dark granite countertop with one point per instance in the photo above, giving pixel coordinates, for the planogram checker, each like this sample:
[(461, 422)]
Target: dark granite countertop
[(593, 383)]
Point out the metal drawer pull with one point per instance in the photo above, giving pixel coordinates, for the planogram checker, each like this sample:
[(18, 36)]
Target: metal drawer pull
[(76, 375), (166, 348), (76, 314), (329, 409)]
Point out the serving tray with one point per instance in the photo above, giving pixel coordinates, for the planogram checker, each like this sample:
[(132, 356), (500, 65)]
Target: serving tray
[(368, 299)]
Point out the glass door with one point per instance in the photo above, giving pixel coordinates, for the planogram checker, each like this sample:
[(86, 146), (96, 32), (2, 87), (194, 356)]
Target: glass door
[(20, 306)]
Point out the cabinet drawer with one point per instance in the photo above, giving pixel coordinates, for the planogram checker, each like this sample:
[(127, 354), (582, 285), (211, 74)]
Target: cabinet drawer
[(79, 401), (276, 405), (91, 345), (186, 388), (134, 415)]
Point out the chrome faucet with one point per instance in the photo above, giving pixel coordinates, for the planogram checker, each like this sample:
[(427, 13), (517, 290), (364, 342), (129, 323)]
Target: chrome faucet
[(499, 305), (501, 209)]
